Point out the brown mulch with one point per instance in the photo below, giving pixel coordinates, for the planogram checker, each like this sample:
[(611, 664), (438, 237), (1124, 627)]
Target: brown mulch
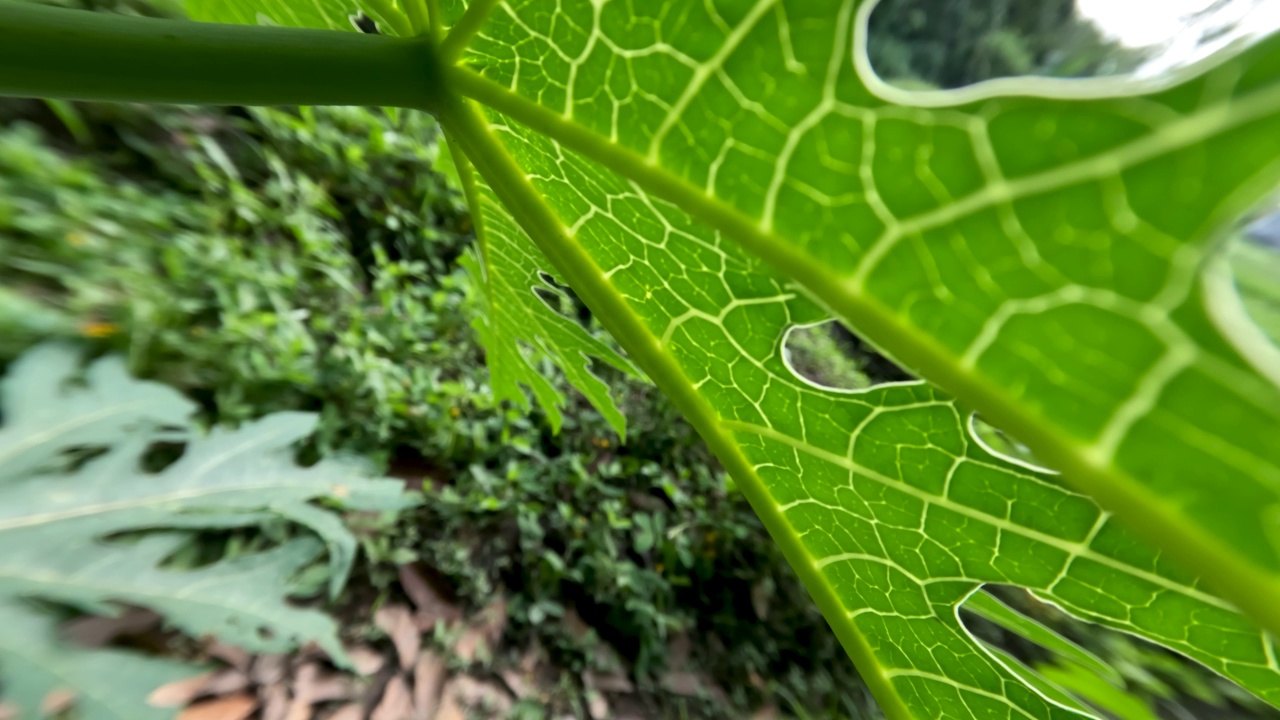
[(416, 678)]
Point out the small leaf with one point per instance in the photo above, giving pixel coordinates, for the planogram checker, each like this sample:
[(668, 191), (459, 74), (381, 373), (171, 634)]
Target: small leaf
[(62, 523), (233, 707), (101, 684), (1084, 683)]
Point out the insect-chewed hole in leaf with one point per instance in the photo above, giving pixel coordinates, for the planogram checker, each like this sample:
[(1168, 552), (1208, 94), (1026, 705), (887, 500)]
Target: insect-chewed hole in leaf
[(926, 45), (1253, 256), (363, 23), (1041, 644), (1087, 666), (829, 356), (1002, 445), (562, 299), (160, 455)]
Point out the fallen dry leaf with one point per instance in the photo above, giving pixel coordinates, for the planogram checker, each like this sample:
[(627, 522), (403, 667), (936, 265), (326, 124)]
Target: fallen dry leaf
[(231, 655), (483, 631), (396, 702), (311, 651), (180, 692), (226, 682), (597, 706), (518, 684), (304, 684), (56, 702), (365, 659), (96, 631), (681, 683), (430, 604), (350, 711), (314, 685), (231, 707), (299, 710), (275, 702), (397, 622), (678, 650), (524, 679), (428, 682), (574, 624), (450, 707), (608, 682), (761, 594), (269, 669), (7, 712), (474, 693), (469, 644)]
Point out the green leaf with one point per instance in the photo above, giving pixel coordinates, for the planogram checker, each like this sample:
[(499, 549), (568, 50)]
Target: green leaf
[(519, 328), (1083, 683), (322, 14), (62, 518), (41, 419), (881, 499), (109, 684), (1036, 247), (997, 612), (1256, 268)]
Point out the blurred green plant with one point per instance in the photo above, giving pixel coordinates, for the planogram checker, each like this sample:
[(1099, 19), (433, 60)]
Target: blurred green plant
[(103, 479)]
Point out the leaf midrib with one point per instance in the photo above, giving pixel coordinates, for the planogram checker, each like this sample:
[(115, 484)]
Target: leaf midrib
[(1247, 585), (532, 213), (116, 591)]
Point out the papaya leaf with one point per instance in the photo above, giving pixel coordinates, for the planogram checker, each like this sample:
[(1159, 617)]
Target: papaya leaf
[(1040, 248), (886, 505), (518, 327), (108, 684), (86, 525)]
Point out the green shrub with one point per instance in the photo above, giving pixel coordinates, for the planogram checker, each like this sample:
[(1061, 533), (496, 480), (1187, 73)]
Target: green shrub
[(246, 279)]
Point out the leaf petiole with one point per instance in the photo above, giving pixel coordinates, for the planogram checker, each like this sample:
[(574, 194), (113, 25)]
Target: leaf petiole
[(77, 55)]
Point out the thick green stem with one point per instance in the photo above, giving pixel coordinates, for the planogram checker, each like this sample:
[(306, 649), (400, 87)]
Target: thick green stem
[(76, 55)]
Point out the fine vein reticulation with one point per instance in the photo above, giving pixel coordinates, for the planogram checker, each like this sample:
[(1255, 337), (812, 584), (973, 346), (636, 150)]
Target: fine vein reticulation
[(1046, 250), (1040, 257)]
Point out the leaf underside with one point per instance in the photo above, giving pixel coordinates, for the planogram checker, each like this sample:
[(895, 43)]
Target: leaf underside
[(1048, 257), (61, 522)]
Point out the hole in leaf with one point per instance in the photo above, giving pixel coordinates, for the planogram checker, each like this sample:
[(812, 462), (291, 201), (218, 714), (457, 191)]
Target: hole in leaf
[(363, 23), (1253, 255), (1046, 647), (920, 44), (1242, 288), (1091, 667), (816, 356), (831, 357), (562, 299), (1004, 446)]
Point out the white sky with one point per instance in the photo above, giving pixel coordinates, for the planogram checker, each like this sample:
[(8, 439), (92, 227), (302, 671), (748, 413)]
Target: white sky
[(1171, 23)]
